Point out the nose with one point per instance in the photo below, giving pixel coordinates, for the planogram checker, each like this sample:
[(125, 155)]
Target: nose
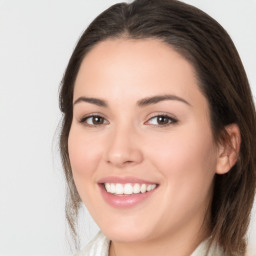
[(123, 148)]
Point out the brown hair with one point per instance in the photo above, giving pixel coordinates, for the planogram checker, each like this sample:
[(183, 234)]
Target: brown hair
[(222, 79)]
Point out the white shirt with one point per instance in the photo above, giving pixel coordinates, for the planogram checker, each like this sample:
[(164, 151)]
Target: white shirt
[(99, 246)]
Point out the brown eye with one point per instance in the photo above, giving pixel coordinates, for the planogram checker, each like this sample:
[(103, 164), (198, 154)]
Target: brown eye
[(94, 120), (161, 120)]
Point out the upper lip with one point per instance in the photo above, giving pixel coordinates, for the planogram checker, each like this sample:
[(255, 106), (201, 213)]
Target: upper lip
[(123, 180)]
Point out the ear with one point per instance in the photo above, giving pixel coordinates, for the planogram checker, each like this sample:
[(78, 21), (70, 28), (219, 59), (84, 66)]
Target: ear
[(228, 149)]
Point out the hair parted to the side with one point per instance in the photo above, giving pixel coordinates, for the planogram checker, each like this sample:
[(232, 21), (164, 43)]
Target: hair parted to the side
[(221, 78)]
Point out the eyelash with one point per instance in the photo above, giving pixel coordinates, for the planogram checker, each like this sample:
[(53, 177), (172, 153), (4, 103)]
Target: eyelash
[(84, 120), (170, 120)]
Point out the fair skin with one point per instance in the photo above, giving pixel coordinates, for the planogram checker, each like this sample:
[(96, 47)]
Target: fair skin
[(166, 141)]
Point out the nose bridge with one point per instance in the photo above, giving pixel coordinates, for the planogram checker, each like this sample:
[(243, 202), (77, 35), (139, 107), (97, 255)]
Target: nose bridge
[(123, 147)]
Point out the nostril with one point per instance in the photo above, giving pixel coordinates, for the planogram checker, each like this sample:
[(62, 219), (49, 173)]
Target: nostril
[(123, 150)]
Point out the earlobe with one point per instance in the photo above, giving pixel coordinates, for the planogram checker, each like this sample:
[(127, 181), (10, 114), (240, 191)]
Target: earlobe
[(228, 151)]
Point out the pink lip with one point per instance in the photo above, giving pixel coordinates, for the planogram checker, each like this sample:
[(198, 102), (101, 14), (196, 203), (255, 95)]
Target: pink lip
[(124, 201), (123, 180)]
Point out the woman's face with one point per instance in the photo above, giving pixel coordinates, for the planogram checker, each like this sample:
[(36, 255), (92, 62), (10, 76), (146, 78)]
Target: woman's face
[(141, 123)]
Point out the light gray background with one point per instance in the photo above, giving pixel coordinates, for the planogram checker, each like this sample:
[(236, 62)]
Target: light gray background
[(36, 41)]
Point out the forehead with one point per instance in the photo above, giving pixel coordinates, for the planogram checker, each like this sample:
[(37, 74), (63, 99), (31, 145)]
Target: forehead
[(131, 57), (143, 67)]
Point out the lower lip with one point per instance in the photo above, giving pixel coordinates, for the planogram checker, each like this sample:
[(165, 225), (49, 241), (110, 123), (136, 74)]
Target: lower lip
[(124, 201)]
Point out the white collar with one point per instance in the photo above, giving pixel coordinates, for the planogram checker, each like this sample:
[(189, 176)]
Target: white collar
[(99, 246)]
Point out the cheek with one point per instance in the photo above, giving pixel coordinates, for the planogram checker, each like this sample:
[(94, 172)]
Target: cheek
[(187, 162), (84, 154)]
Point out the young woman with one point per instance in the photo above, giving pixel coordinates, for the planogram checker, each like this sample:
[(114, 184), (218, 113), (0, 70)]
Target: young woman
[(158, 135)]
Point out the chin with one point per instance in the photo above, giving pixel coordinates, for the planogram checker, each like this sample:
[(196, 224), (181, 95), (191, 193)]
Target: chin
[(127, 234)]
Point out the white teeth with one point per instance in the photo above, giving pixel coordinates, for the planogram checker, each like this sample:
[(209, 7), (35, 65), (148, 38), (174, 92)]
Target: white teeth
[(108, 187), (153, 186), (112, 188), (119, 189), (128, 189), (136, 188), (143, 188), (149, 188)]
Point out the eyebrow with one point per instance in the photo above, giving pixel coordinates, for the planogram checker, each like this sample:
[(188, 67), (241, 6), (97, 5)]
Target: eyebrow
[(98, 102), (141, 103), (155, 99)]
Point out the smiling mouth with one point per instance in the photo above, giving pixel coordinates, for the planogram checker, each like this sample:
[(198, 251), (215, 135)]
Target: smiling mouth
[(128, 188)]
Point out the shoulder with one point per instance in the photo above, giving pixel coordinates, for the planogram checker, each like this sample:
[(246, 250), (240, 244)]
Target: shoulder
[(99, 246)]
